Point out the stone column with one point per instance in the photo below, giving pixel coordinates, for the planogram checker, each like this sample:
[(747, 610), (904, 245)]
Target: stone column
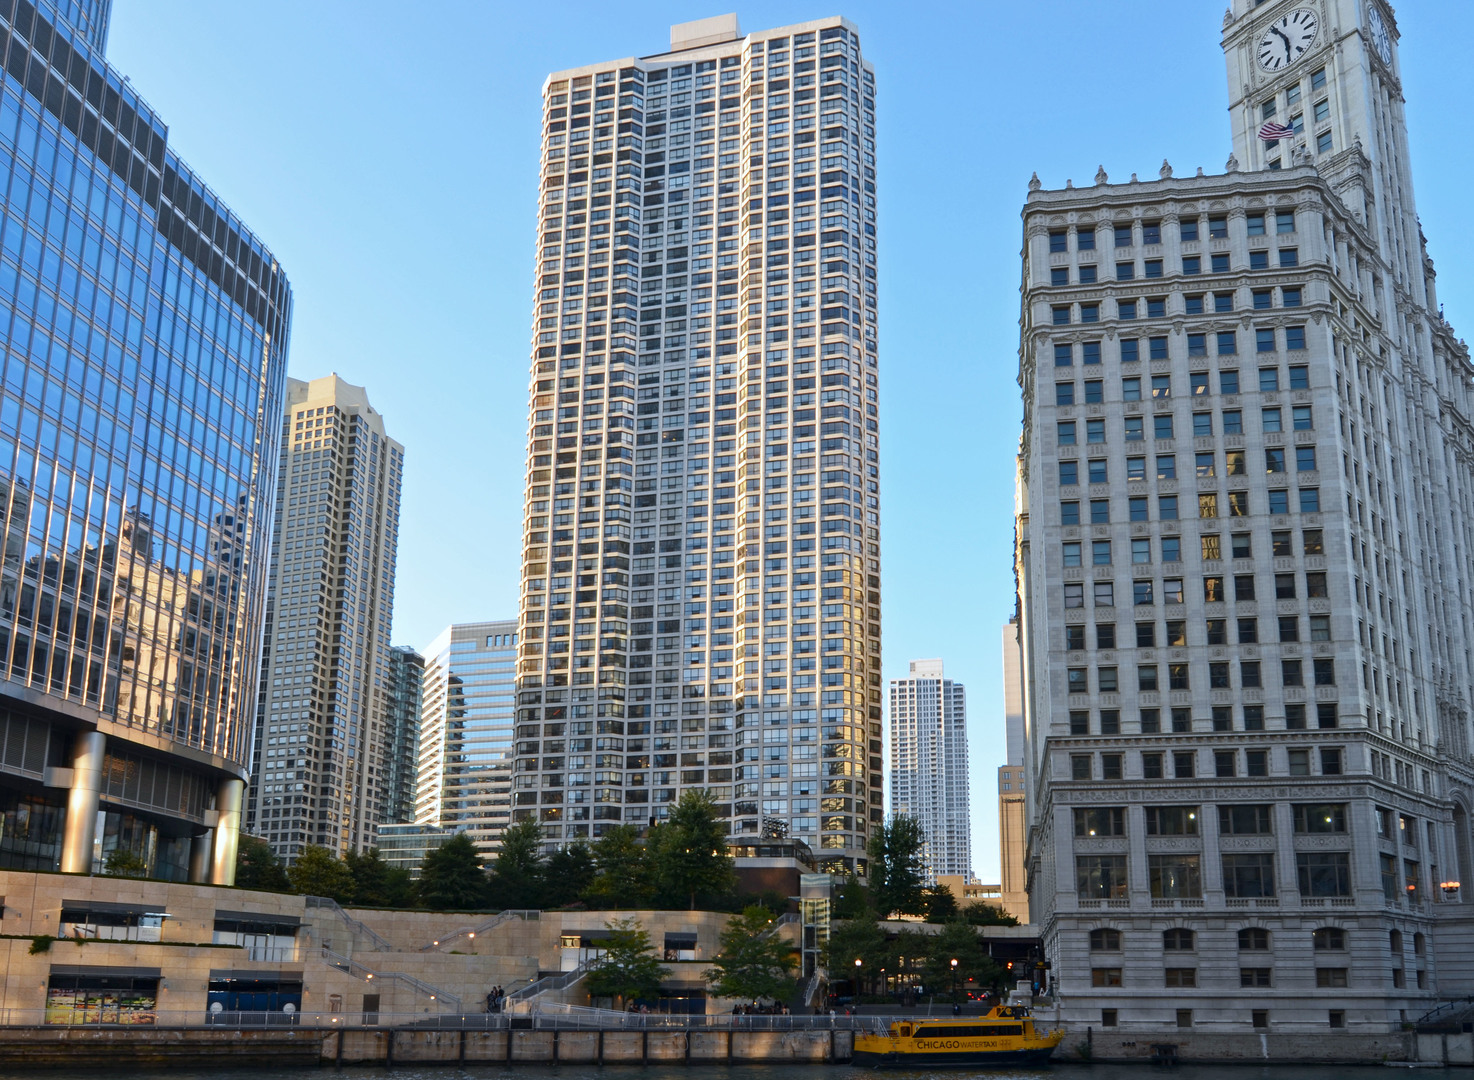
[(200, 848), (228, 799), (81, 827)]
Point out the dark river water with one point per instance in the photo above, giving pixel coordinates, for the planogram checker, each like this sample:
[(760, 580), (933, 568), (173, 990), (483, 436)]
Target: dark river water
[(786, 1072)]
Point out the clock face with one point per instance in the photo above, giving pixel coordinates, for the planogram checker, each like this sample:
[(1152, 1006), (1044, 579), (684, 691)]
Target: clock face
[(1287, 40), (1381, 39)]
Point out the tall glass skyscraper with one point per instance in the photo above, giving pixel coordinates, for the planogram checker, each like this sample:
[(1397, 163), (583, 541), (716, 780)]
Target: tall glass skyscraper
[(403, 692), (143, 333), (929, 779), (701, 584), (464, 780)]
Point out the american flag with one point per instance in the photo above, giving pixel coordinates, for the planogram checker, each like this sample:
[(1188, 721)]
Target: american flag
[(1272, 132)]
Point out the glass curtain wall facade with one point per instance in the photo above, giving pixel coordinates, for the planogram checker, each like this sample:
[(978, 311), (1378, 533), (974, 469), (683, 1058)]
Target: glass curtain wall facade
[(323, 738), (464, 781), (143, 331), (701, 577), (405, 685)]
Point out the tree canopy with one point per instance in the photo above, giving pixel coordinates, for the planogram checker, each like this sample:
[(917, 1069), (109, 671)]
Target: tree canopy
[(516, 879), (257, 867), (318, 872), (941, 905), (622, 876), (628, 967), (451, 878), (961, 942), (689, 851), (895, 867), (754, 962), (376, 883), (567, 875)]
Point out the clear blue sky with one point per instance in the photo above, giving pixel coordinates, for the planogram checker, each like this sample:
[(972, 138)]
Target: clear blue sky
[(387, 152)]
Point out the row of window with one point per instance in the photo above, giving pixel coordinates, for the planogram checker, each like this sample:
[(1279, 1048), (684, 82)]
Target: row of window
[(1144, 593), (1108, 722), (1250, 939), (1171, 546), (1325, 978), (1156, 307), (1129, 351), (1216, 632), (1292, 673), (1199, 383), (1124, 234), (1236, 504), (1178, 876), (1256, 819)]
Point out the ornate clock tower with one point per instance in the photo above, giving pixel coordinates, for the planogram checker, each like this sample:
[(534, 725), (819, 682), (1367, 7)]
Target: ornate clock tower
[(1328, 69)]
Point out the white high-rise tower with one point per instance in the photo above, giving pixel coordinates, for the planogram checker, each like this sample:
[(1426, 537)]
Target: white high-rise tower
[(701, 576), (1244, 558), (929, 766)]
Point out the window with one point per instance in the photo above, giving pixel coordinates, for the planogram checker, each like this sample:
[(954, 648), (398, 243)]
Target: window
[(1126, 309), (1161, 386), (1110, 766), (1125, 271), (1123, 236), (1059, 275), (1329, 939), (1074, 641), (1130, 349), (1136, 509), (1100, 821), (1064, 393), (1314, 542), (1317, 78), (1184, 1018), (1271, 419), (1290, 297), (1323, 143), (1141, 550), (1085, 239), (1222, 302), (1069, 513), (1310, 500), (1105, 976), (1227, 343), (1074, 594), (1192, 265), (1146, 635), (1171, 594), (1079, 722), (1243, 587), (1255, 223), (1253, 714), (1207, 504), (1151, 763), (1247, 876), (1100, 877), (1141, 593), (1131, 389), (1202, 424), (1299, 377), (1256, 763), (1177, 939), (1253, 939), (1094, 391), (1203, 464), (1151, 232), (1175, 877), (1175, 976), (1289, 257), (1291, 674), (1108, 1018), (1218, 228), (1097, 470), (1187, 230), (1162, 427), (1104, 939), (1224, 764), (1258, 260), (1325, 671), (1072, 553), (1305, 459), (1146, 678), (1197, 345), (1157, 348), (1217, 632), (1220, 263), (1323, 873), (1294, 338), (1248, 628), (1198, 383), (1105, 594), (1284, 220), (1156, 307), (1087, 273), (1065, 430), (1263, 298), (1069, 473), (1242, 546), (1228, 382), (1336, 1018), (1106, 676), (1249, 676), (1274, 460), (1301, 418), (1269, 379), (1064, 354), (1320, 628), (1245, 820), (1060, 314), (1152, 268), (1233, 424), (1089, 313), (1078, 679), (1256, 977), (1079, 766), (1059, 240), (1172, 820), (1320, 817)]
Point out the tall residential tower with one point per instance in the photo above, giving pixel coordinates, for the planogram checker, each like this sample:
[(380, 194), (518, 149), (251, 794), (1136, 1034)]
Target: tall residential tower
[(701, 577), (929, 766), (143, 338), (323, 742), (1013, 814), (1245, 563)]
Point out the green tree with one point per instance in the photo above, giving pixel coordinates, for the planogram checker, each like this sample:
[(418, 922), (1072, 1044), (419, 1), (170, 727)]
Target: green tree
[(569, 872), (516, 874), (959, 941), (318, 872), (257, 866), (622, 875), (689, 852), (123, 862), (628, 967), (376, 883), (895, 867), (754, 962), (451, 878), (941, 905), (862, 940), (851, 901), (987, 915)]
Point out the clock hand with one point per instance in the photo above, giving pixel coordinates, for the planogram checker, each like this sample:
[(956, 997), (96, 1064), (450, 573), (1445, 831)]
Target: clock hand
[(1276, 30)]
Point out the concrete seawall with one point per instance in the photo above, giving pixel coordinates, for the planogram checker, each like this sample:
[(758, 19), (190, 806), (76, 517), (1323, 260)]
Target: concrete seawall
[(404, 1046)]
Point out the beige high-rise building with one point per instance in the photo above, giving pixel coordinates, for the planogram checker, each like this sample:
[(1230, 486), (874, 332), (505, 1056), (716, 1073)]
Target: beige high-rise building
[(701, 575), (1013, 836), (322, 748)]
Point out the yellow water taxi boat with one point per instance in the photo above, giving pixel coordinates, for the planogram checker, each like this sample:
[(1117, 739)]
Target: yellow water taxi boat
[(1004, 1036)]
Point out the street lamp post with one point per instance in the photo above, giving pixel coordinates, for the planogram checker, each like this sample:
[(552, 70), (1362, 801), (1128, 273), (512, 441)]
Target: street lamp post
[(954, 980), (858, 964)]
